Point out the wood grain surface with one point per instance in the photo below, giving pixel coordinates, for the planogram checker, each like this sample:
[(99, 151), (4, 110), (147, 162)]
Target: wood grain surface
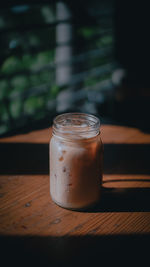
[(35, 231)]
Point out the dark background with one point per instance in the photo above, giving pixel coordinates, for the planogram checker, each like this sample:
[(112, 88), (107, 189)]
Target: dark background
[(108, 63)]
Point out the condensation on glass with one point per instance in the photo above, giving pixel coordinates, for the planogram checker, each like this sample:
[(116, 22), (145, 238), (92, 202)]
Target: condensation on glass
[(76, 159)]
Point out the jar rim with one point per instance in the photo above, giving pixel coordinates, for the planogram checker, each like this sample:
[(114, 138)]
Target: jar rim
[(76, 125)]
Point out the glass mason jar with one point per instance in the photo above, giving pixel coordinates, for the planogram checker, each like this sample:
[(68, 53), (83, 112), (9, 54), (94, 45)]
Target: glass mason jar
[(76, 159)]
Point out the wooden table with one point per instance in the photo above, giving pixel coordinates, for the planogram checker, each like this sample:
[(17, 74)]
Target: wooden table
[(35, 231)]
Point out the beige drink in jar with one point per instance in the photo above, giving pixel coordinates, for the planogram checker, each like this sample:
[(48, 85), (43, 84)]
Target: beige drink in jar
[(76, 159)]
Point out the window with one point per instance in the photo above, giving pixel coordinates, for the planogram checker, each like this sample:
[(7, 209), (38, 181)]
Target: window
[(55, 57)]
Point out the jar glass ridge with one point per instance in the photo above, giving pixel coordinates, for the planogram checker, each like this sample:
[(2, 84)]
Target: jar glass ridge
[(76, 125)]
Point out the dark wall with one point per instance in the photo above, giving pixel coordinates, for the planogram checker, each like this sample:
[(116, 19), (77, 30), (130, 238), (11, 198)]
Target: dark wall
[(132, 48)]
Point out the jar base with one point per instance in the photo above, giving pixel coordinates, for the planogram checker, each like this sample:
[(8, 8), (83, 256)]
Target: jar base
[(85, 208)]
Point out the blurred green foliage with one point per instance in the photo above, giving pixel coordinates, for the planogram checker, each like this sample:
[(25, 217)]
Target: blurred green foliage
[(24, 56)]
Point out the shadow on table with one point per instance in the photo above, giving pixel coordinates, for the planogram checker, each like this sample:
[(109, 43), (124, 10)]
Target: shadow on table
[(123, 200), (26, 158), (89, 250), (127, 159)]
